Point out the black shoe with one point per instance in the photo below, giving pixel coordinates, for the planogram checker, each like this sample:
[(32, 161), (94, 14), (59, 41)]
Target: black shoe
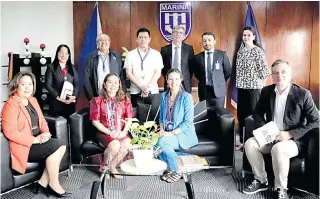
[(283, 194), (38, 187), (255, 187), (58, 195)]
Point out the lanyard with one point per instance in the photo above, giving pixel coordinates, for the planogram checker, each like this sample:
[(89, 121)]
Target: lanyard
[(103, 60), (169, 116), (144, 57), (111, 114)]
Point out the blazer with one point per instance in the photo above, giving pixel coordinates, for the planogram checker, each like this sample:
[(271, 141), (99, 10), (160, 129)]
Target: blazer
[(183, 118), (219, 76), (16, 126), (187, 55), (91, 79), (300, 114), (54, 83)]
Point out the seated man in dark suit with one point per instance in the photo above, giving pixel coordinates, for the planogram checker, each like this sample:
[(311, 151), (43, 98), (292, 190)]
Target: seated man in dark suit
[(178, 55), (288, 105)]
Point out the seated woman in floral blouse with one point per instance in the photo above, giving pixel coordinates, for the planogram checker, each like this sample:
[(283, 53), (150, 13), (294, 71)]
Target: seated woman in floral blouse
[(111, 113)]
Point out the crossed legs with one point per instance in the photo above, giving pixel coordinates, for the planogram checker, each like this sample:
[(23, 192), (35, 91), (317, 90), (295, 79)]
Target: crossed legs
[(50, 175), (114, 153)]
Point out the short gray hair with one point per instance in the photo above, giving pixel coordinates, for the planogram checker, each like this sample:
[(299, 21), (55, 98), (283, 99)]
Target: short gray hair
[(280, 61), (99, 35), (177, 27)]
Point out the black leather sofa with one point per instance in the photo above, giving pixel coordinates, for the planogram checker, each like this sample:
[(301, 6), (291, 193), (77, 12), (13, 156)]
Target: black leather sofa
[(11, 179), (216, 136), (304, 168)]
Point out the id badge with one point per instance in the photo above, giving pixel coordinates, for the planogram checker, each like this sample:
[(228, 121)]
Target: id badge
[(169, 126), (217, 66)]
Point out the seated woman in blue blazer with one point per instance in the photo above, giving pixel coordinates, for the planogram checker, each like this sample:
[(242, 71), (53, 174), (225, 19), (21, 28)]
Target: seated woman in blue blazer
[(176, 124)]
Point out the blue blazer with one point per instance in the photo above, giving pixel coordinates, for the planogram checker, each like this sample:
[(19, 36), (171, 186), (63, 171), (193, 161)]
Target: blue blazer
[(183, 119)]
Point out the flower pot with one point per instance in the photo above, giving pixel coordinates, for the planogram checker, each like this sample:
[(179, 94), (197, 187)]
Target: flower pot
[(142, 158)]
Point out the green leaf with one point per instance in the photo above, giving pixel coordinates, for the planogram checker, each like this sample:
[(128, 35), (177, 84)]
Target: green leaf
[(134, 140)]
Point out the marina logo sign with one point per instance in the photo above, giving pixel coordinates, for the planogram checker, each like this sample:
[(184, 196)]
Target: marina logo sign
[(172, 14)]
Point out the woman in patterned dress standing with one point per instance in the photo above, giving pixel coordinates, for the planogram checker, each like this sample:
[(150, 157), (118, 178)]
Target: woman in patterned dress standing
[(251, 74)]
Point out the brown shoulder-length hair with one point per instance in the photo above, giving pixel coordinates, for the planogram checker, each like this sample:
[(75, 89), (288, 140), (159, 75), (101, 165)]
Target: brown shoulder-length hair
[(119, 95), (14, 83)]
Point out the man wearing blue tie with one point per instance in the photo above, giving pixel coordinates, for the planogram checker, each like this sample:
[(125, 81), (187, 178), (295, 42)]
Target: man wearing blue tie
[(178, 55), (212, 68)]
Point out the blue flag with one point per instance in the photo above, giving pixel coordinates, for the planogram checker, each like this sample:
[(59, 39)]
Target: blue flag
[(89, 43), (250, 21)]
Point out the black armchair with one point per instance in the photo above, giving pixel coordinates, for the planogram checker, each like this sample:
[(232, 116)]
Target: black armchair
[(304, 168), (216, 135), (11, 179)]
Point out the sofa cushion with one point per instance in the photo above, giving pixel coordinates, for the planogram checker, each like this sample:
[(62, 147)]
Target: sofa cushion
[(90, 147), (206, 147)]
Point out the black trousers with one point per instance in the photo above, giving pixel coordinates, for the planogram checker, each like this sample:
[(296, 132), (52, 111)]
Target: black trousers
[(211, 99), (247, 100), (152, 99)]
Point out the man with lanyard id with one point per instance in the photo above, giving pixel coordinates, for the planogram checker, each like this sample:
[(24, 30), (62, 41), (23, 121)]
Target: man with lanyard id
[(100, 63), (143, 67)]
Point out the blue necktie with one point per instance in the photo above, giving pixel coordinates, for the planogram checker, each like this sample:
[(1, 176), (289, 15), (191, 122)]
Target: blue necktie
[(209, 70), (175, 63)]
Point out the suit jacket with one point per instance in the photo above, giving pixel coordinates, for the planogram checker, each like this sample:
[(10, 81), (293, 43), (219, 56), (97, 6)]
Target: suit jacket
[(187, 55), (91, 79), (300, 114), (183, 119), (16, 126), (54, 83), (219, 76)]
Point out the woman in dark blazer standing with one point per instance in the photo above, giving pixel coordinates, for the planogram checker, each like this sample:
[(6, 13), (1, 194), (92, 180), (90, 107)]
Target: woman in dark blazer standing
[(59, 71)]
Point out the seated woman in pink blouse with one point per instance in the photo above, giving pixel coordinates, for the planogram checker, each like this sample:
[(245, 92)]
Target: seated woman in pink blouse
[(111, 113)]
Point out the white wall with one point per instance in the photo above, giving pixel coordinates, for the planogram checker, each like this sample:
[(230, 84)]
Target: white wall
[(48, 22)]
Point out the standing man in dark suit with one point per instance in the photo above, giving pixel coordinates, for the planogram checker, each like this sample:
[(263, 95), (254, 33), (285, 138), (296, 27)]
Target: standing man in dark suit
[(178, 55), (99, 64), (212, 69), (291, 107)]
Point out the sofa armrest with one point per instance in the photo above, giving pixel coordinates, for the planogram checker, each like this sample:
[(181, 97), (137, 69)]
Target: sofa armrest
[(6, 172), (312, 161), (59, 129), (224, 125), (77, 132)]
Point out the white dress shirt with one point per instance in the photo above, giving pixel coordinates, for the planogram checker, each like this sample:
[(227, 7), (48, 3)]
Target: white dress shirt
[(179, 55), (205, 61), (152, 62), (102, 73), (280, 105)]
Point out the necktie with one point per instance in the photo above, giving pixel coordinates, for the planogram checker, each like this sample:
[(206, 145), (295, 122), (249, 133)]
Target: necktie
[(209, 69), (175, 63)]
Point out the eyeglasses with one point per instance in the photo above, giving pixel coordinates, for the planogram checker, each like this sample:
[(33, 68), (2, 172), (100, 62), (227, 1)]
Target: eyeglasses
[(100, 41)]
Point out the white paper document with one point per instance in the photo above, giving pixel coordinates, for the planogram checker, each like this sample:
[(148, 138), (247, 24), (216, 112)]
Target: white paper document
[(67, 90), (266, 134)]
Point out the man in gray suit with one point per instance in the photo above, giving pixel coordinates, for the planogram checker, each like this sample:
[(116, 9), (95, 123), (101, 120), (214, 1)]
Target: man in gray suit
[(100, 63), (212, 69), (178, 55)]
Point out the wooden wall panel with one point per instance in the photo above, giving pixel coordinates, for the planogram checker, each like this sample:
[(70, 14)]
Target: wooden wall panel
[(314, 70), (82, 12), (289, 28), (115, 22)]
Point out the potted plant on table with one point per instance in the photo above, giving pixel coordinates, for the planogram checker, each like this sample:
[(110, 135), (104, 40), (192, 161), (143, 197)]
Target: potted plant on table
[(144, 137)]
